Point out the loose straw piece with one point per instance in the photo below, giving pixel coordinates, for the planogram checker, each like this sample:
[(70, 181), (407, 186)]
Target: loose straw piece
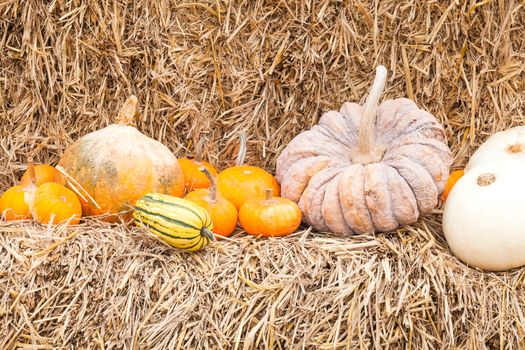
[(76, 187)]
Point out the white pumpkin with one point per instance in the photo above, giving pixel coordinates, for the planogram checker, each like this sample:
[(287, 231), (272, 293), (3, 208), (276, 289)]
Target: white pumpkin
[(507, 144), (483, 218)]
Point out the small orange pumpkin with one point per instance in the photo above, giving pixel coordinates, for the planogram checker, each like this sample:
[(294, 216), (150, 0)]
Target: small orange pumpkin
[(54, 203), (270, 216), (51, 202), (13, 204), (223, 213), (43, 173), (242, 182), (452, 179), (193, 177)]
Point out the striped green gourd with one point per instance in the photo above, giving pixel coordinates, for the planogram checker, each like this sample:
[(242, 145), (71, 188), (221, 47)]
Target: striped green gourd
[(178, 222)]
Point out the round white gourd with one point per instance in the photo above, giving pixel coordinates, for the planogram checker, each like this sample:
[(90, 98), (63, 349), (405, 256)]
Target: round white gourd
[(483, 218), (507, 144)]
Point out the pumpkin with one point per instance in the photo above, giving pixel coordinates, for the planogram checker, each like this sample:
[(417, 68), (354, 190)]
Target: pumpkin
[(367, 169), (54, 203), (270, 216), (43, 173), (51, 202), (193, 177), (242, 182), (223, 213), (452, 179), (177, 221), (117, 165), (483, 219), (13, 205), (506, 144)]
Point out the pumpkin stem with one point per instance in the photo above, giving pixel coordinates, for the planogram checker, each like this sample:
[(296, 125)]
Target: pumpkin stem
[(31, 172), (367, 152), (207, 233), (29, 190), (242, 150), (269, 193), (128, 111), (213, 184)]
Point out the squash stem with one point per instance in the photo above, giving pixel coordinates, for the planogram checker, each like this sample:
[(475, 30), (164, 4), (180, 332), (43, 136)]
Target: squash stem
[(213, 184), (242, 150), (269, 193), (128, 111), (367, 152), (207, 233)]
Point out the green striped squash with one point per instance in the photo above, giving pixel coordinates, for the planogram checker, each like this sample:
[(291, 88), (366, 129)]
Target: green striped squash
[(179, 222)]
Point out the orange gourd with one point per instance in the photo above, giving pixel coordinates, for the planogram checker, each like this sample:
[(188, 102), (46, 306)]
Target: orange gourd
[(270, 216), (51, 202), (117, 165), (193, 177), (55, 204), (43, 173), (242, 182), (452, 179), (13, 204), (223, 213)]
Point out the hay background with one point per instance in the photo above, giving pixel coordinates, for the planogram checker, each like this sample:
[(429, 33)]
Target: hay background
[(269, 68)]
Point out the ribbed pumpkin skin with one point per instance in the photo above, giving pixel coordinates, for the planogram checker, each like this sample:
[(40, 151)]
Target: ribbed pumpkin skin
[(117, 165), (55, 204), (193, 177), (273, 217), (242, 182), (43, 173), (223, 213), (14, 206), (178, 222)]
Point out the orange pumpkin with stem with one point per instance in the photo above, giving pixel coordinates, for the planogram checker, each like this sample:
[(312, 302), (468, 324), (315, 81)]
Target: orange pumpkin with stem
[(43, 173), (13, 204), (117, 165), (193, 177), (270, 216), (242, 182), (52, 202), (223, 213)]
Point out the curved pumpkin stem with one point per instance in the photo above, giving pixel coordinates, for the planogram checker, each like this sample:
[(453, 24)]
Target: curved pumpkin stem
[(128, 111), (367, 152), (213, 184), (269, 193), (242, 150)]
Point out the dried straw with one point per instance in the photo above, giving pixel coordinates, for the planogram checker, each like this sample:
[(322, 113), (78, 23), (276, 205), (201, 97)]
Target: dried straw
[(269, 69)]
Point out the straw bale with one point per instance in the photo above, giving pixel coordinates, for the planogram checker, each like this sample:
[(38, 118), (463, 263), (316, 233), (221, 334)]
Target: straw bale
[(214, 68)]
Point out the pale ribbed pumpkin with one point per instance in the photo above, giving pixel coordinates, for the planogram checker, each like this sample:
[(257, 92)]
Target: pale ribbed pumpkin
[(367, 169), (117, 165)]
